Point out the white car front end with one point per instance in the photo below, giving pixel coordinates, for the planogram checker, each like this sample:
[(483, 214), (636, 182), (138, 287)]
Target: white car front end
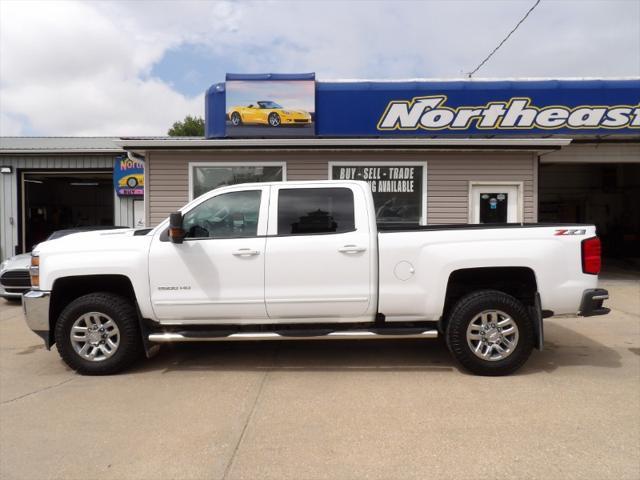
[(14, 276)]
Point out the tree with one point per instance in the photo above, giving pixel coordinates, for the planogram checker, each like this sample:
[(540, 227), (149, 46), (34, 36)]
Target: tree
[(189, 127)]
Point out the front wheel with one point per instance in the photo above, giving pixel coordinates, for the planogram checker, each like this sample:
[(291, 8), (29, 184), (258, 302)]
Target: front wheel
[(274, 120), (490, 333), (98, 334)]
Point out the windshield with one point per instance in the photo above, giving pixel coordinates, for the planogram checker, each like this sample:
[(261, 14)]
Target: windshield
[(269, 104)]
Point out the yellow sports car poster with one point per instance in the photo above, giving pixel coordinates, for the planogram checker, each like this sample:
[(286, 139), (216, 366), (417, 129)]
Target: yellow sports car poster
[(270, 108), (128, 177)]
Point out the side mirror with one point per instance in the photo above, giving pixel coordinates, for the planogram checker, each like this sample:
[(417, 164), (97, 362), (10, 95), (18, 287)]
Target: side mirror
[(176, 232)]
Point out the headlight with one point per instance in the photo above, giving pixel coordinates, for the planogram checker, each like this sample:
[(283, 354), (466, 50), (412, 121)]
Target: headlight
[(3, 265), (286, 112), (34, 270)]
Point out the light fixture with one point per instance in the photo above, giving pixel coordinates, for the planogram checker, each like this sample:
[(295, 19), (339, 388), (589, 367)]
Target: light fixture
[(28, 180), (6, 169), (84, 184)]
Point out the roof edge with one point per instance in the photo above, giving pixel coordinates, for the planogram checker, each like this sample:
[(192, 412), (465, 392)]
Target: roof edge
[(27, 151), (191, 143)]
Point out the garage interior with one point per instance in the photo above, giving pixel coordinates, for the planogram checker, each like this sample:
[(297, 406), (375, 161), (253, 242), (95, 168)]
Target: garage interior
[(58, 200), (605, 194)]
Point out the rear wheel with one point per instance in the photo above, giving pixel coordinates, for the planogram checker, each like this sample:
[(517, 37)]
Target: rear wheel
[(236, 119), (98, 334), (490, 333)]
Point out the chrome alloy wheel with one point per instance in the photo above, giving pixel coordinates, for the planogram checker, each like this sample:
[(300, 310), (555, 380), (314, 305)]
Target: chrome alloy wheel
[(492, 335), (95, 336), (274, 120)]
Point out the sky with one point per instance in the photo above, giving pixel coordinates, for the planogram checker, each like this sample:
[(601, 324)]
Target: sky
[(134, 67)]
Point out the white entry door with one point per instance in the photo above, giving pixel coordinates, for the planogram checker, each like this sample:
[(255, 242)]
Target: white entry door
[(495, 203)]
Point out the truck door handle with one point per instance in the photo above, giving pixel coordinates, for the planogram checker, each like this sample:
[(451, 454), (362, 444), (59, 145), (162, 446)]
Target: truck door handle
[(351, 249), (245, 252)]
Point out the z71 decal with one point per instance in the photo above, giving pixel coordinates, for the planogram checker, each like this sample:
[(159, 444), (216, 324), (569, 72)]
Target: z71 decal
[(571, 231)]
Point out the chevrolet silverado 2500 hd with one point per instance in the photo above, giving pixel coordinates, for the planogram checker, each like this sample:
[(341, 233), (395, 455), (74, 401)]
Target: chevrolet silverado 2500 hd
[(306, 260)]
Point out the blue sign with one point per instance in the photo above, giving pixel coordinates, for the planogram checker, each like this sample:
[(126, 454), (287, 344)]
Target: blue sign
[(464, 108), (128, 177)]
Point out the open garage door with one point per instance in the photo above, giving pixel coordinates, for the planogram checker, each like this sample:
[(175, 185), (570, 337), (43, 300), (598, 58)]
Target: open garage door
[(605, 194), (57, 200)]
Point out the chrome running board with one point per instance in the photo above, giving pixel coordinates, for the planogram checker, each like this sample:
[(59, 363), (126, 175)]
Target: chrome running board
[(195, 336)]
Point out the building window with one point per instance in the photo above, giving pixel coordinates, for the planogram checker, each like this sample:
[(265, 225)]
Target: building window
[(204, 177), (308, 211), (399, 191)]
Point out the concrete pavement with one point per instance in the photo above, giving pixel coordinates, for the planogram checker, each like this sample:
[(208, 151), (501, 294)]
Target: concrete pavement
[(345, 410)]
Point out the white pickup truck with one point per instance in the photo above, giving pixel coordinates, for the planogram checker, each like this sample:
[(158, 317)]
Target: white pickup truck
[(306, 261)]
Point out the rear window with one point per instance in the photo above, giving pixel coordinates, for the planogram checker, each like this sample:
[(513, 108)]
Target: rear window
[(308, 211)]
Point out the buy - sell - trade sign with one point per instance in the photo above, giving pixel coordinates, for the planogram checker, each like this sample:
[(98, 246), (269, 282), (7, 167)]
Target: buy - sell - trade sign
[(128, 176)]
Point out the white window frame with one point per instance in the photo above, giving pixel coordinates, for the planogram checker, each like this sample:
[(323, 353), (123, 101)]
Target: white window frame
[(283, 165), (503, 183), (382, 163)]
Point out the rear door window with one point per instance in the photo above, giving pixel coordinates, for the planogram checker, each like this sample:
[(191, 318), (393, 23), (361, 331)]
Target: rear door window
[(310, 211)]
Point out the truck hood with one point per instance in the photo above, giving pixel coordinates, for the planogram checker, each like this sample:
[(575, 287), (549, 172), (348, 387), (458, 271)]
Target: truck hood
[(99, 240)]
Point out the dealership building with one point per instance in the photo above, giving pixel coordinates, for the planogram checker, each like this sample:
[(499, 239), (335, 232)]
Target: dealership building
[(54, 183), (434, 152)]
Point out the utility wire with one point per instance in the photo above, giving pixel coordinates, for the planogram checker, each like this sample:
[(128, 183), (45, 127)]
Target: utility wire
[(504, 39)]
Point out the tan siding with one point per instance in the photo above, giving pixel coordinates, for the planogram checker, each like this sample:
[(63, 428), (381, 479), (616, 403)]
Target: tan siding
[(167, 185), (448, 175)]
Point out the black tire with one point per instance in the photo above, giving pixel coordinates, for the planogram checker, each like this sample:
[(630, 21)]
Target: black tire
[(274, 120), (124, 315), (236, 119), (132, 182), (462, 314)]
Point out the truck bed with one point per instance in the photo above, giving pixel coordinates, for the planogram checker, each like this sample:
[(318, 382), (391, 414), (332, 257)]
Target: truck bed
[(382, 227)]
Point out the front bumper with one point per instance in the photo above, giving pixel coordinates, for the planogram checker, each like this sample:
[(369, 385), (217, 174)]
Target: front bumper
[(35, 304), (14, 295), (592, 301)]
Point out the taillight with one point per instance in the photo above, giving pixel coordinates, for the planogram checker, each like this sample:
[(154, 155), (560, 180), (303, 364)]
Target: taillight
[(591, 256)]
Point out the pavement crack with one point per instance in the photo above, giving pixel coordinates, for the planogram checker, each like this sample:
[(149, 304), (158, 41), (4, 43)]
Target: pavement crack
[(632, 314), (263, 380), (36, 391)]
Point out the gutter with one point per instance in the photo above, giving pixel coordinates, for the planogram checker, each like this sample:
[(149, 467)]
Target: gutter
[(312, 143), (58, 151)]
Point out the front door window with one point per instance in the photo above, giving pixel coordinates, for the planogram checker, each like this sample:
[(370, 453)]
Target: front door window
[(228, 215)]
